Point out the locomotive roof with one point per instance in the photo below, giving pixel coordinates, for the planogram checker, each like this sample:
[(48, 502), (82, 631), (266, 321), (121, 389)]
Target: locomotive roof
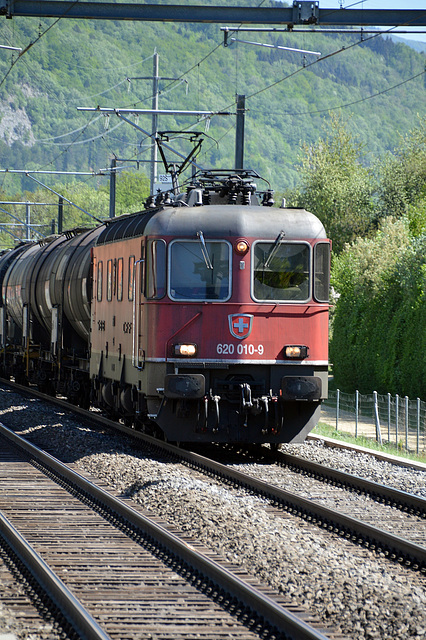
[(216, 221)]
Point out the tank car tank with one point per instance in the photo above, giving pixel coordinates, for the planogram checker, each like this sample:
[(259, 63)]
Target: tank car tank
[(45, 313)]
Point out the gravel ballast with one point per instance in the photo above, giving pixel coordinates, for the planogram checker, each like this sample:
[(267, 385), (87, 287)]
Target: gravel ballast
[(357, 591)]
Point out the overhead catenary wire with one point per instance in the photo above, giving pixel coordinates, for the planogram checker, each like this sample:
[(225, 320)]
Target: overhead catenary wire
[(28, 47), (85, 141), (63, 135), (347, 104), (69, 133), (168, 88), (66, 199), (307, 65)]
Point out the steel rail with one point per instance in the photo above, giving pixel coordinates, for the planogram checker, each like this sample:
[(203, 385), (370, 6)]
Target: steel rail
[(261, 604), (407, 501), (385, 457), (310, 510), (72, 610), (396, 496)]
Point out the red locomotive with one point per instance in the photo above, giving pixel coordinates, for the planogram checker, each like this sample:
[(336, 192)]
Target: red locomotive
[(203, 318)]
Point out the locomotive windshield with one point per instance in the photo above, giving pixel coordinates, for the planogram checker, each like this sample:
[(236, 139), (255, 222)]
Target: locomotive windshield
[(200, 271), (281, 271)]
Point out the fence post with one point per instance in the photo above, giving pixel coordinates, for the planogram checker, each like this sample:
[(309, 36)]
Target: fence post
[(389, 416), (406, 423), (376, 414), (418, 426), (356, 412), (396, 419), (337, 408)]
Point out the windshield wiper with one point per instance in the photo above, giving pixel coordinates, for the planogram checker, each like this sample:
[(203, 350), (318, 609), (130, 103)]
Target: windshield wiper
[(274, 249), (204, 251)]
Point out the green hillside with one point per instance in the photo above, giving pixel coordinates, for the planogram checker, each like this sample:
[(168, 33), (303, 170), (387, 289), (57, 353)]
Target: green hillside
[(378, 85)]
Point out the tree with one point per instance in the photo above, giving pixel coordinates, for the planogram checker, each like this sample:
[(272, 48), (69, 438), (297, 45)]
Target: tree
[(335, 186), (132, 191), (378, 336), (402, 174)]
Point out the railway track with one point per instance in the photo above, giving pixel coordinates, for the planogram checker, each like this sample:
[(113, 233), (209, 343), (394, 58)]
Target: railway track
[(113, 572), (406, 509), (364, 530), (348, 520)]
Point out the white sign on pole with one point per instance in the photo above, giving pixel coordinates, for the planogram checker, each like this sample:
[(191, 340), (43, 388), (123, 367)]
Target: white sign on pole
[(164, 183)]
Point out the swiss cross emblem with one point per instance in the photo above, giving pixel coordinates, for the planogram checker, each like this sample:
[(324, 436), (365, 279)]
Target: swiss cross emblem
[(240, 325)]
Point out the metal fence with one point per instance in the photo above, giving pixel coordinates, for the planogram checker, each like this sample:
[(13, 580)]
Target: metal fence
[(395, 419)]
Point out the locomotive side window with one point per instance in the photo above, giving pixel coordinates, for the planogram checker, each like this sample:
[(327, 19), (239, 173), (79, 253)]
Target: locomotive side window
[(200, 272), (156, 269), (281, 271), (322, 272), (130, 292), (109, 280), (99, 281), (120, 279)]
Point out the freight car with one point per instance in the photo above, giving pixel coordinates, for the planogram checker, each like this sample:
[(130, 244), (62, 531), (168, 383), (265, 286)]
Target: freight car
[(203, 318)]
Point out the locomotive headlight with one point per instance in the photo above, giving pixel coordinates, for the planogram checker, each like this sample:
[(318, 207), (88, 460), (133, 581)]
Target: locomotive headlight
[(297, 352), (185, 350), (241, 247)]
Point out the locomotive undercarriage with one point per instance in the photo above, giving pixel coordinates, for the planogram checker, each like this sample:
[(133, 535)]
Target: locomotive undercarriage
[(238, 406), (222, 405)]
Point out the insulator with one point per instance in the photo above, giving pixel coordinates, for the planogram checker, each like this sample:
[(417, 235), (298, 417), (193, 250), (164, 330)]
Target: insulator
[(268, 200), (206, 196), (246, 197), (149, 203), (232, 197)]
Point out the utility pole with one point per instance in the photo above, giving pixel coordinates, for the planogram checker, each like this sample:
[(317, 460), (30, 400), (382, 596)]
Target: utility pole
[(155, 79), (112, 187), (155, 93), (28, 220), (60, 214), (239, 137)]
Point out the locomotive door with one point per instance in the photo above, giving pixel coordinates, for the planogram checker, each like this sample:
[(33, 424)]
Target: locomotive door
[(138, 268)]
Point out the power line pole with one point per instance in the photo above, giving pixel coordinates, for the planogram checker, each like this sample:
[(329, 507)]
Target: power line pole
[(60, 214), (112, 187), (28, 220), (239, 136), (155, 79), (155, 94)]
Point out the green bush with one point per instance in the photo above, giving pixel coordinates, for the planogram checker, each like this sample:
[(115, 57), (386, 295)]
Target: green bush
[(378, 341)]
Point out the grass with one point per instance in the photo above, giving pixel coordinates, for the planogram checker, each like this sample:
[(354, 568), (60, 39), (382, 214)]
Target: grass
[(362, 441)]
